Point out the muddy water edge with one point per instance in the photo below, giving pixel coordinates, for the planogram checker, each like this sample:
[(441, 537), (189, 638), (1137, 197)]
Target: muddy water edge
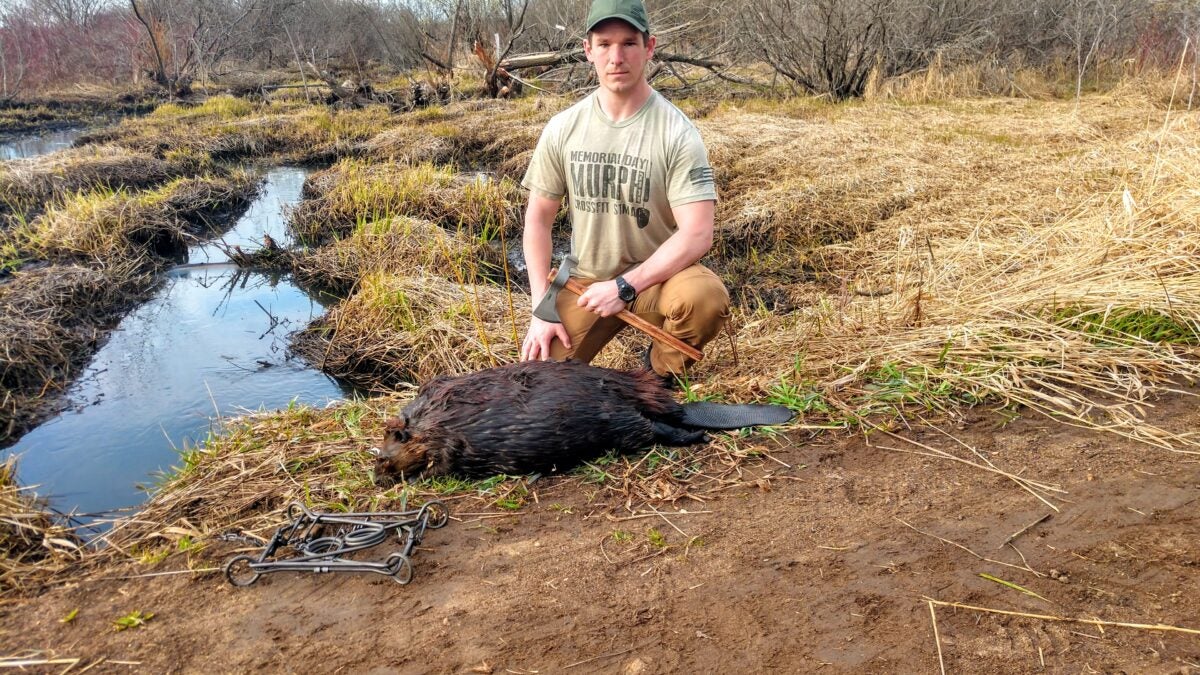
[(210, 342)]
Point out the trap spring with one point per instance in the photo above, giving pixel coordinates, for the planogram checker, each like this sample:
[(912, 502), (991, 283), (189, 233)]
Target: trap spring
[(318, 542)]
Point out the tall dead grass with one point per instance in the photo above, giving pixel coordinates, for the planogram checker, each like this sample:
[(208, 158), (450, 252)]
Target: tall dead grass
[(1069, 286), (475, 134)]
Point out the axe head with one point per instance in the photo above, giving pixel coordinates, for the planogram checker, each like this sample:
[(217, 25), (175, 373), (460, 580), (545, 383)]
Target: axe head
[(547, 309)]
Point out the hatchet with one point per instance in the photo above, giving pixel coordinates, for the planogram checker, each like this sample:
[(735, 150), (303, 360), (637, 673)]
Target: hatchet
[(547, 310)]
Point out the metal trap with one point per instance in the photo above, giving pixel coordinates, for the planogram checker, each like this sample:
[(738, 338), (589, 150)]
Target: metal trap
[(320, 542)]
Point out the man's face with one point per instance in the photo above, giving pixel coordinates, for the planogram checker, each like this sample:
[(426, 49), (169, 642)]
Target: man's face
[(619, 54)]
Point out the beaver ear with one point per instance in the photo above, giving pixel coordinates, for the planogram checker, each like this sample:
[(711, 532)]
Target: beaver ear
[(397, 423)]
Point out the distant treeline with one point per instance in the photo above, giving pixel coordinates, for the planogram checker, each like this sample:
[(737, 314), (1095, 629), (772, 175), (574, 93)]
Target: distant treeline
[(822, 46)]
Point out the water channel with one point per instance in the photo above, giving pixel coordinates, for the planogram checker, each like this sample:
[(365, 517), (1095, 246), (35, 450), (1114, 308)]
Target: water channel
[(210, 343), (23, 147)]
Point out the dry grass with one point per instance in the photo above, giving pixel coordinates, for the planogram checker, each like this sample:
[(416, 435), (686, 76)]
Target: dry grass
[(498, 135), (398, 329), (34, 543), (104, 224), (54, 317), (353, 193), (27, 185), (227, 128), (1066, 286), (396, 246)]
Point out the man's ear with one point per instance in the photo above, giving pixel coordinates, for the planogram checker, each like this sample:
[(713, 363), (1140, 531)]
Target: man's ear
[(650, 44), (587, 47)]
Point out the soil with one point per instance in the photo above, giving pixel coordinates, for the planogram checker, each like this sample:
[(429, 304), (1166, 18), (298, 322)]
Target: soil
[(799, 568)]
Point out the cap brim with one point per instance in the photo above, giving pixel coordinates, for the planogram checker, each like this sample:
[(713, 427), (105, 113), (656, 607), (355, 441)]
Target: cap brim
[(624, 17)]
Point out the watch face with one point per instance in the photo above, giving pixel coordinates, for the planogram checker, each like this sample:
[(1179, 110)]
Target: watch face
[(625, 291)]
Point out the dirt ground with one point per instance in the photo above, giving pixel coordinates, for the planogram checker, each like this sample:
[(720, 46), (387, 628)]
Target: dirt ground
[(804, 567)]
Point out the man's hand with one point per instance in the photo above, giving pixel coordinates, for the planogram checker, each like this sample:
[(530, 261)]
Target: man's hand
[(536, 346), (601, 298)]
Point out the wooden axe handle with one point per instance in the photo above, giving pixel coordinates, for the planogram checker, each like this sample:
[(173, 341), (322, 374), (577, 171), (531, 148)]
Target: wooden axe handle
[(640, 324)]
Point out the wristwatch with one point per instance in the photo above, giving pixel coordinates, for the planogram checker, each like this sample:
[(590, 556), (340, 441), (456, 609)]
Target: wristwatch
[(625, 290)]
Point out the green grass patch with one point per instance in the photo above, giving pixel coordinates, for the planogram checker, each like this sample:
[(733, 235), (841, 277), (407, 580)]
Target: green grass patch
[(1123, 323)]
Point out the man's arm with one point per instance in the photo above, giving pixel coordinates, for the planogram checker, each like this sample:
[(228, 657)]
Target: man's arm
[(539, 222), (692, 239)]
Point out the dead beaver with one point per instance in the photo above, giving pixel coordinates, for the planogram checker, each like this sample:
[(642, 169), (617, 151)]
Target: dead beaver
[(541, 417)]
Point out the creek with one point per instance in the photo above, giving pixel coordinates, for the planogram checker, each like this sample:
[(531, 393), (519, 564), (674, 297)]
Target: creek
[(32, 145), (210, 343)]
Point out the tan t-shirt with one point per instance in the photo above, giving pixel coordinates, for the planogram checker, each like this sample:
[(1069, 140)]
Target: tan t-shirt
[(621, 179)]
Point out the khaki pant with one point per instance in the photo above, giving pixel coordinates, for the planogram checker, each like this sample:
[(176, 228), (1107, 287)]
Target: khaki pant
[(693, 306)]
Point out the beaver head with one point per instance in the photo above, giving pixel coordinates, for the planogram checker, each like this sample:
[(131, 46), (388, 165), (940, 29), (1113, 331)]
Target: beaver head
[(400, 456)]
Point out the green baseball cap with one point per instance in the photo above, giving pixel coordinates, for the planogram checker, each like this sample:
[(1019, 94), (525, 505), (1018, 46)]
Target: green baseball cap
[(632, 12)]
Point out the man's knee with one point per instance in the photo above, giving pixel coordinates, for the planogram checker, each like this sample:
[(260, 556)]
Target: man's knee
[(698, 296)]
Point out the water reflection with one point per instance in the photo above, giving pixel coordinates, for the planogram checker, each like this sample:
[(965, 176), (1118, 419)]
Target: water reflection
[(24, 147)]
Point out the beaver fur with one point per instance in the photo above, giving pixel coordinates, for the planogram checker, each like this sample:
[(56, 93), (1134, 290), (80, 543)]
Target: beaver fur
[(531, 417)]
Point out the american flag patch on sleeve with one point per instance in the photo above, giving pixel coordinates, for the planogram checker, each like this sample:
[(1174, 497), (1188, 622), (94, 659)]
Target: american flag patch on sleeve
[(701, 175)]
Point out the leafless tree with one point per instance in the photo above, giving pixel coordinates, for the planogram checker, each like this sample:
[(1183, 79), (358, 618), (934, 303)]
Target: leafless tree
[(1088, 25), (824, 46), (12, 75)]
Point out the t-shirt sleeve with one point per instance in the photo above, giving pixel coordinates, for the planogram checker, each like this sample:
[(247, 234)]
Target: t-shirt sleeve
[(545, 175), (690, 177)]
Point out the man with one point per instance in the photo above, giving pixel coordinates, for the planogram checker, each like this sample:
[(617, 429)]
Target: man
[(641, 198)]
